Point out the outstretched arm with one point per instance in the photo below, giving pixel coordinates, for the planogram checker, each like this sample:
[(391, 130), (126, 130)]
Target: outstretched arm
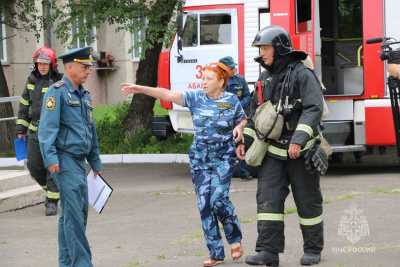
[(156, 92)]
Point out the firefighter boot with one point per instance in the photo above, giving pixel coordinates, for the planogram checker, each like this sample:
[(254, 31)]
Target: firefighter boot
[(263, 258), (310, 259), (51, 208)]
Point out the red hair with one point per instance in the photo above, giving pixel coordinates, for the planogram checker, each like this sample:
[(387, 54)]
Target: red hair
[(222, 71)]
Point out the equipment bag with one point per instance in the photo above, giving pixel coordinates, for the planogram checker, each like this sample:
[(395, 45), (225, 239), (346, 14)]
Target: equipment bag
[(255, 148), (268, 122)]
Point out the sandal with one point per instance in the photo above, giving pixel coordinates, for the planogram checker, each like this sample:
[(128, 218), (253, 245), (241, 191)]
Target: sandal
[(237, 251), (212, 262)]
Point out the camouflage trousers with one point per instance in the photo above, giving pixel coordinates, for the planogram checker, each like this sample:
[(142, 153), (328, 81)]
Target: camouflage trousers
[(212, 192)]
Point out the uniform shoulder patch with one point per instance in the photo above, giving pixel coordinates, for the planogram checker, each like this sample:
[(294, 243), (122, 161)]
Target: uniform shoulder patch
[(58, 84), (51, 103)]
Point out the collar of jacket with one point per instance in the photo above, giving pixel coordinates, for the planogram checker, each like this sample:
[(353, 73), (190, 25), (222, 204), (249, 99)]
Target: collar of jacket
[(80, 90)]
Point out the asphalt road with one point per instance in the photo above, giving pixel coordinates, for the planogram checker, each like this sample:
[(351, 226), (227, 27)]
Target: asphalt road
[(152, 220)]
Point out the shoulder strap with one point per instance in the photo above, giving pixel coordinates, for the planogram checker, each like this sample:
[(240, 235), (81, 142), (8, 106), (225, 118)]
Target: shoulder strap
[(260, 96)]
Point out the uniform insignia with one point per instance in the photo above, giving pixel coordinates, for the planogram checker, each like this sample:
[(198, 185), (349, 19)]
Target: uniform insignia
[(58, 84), (239, 93), (50, 103), (224, 105)]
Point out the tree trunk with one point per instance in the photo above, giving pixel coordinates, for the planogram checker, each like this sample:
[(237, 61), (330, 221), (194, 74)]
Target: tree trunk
[(141, 108), (7, 128)]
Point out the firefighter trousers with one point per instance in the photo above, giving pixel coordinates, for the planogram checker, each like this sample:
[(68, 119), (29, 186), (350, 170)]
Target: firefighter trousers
[(275, 177), (38, 171), (73, 246)]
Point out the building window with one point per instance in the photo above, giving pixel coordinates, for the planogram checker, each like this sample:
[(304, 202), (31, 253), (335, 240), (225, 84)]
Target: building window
[(79, 41), (3, 54), (137, 41)]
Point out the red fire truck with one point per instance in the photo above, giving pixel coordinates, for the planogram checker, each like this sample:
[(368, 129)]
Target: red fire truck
[(334, 33)]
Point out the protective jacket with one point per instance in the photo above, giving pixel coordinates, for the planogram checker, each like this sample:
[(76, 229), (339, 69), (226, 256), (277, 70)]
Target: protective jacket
[(300, 94), (31, 100)]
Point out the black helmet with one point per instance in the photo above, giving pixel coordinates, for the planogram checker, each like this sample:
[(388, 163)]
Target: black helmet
[(279, 38)]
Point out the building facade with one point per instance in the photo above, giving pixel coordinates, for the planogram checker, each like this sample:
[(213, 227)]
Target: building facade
[(16, 48)]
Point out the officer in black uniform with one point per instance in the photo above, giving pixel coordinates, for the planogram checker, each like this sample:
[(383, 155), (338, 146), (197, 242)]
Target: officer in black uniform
[(286, 78), (43, 75)]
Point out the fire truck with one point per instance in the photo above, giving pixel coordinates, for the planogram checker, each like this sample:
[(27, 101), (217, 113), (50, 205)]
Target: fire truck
[(334, 33)]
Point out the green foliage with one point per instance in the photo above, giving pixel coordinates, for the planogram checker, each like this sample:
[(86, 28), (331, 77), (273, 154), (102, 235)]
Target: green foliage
[(129, 16), (102, 111), (158, 110), (22, 15), (113, 140), (7, 154)]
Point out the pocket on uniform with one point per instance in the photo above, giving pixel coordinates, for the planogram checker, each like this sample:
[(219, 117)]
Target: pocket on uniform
[(89, 109)]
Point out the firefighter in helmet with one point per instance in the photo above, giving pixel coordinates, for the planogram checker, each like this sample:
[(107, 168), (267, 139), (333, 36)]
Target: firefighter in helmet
[(288, 81), (42, 76)]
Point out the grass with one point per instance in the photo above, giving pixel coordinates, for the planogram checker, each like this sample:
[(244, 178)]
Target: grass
[(113, 139), (7, 154), (290, 210), (386, 190), (189, 239), (102, 111)]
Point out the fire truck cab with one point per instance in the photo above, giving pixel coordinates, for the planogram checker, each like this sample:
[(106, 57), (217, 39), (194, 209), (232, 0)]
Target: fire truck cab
[(210, 31), (333, 33)]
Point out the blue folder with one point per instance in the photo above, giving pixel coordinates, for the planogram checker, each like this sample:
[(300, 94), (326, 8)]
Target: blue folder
[(20, 148)]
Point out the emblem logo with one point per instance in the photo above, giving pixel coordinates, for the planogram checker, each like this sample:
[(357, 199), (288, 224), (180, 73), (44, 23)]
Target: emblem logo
[(353, 225), (50, 103)]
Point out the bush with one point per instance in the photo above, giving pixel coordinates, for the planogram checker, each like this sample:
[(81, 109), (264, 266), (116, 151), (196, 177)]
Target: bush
[(112, 139)]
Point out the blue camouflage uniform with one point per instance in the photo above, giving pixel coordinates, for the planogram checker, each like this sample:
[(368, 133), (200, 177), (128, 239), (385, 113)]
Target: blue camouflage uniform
[(212, 159), (67, 136)]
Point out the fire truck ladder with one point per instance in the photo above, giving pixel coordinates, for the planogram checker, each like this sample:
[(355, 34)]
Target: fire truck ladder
[(394, 90)]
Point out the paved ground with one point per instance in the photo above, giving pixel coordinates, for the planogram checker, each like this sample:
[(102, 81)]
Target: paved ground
[(152, 221)]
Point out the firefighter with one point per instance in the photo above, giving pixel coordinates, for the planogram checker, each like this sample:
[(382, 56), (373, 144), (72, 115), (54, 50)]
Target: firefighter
[(284, 164), (67, 137), (218, 120), (237, 85), (43, 75)]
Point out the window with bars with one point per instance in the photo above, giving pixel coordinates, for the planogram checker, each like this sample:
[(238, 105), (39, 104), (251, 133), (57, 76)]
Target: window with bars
[(79, 41), (137, 40), (3, 54)]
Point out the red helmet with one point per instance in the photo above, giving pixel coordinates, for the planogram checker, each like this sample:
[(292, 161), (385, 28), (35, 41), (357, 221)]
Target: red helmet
[(45, 55)]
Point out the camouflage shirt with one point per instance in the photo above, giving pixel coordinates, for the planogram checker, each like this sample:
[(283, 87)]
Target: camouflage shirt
[(213, 119)]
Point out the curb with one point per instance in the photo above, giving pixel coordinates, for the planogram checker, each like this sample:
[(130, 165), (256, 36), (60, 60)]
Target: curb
[(118, 159)]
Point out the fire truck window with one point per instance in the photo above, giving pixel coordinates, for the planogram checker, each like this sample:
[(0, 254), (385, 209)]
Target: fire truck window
[(189, 37), (303, 16), (350, 19), (215, 29)]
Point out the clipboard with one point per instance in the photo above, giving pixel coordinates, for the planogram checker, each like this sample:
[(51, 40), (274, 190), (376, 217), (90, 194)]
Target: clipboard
[(99, 191), (20, 148)]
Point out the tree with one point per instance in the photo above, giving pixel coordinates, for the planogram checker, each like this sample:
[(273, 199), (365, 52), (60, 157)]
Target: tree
[(152, 15)]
